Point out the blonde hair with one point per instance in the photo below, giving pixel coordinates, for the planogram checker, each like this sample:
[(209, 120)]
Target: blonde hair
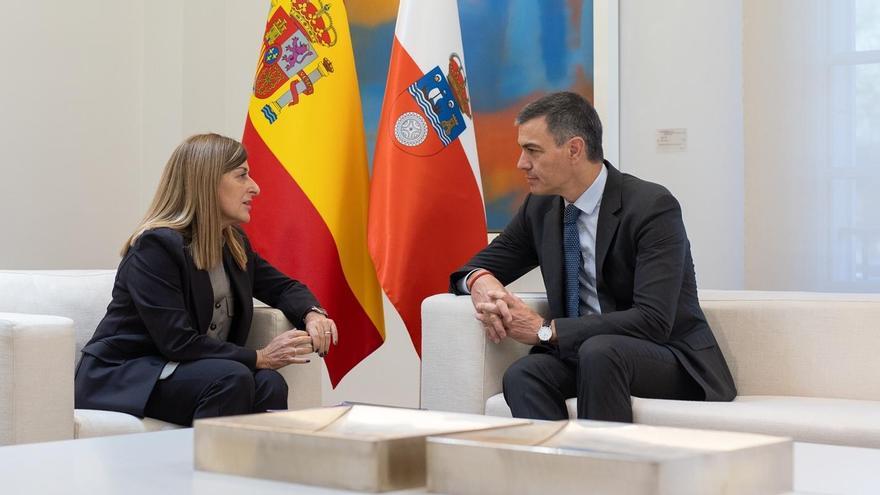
[(186, 199)]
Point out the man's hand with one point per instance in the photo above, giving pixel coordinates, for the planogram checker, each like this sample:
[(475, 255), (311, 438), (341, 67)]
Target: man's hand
[(323, 332), (285, 349), (490, 318), (520, 322)]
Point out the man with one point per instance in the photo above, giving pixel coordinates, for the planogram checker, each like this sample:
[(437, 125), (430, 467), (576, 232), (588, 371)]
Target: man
[(624, 316)]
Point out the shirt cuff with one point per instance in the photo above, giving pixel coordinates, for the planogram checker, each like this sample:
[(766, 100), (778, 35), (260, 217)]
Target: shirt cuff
[(462, 282)]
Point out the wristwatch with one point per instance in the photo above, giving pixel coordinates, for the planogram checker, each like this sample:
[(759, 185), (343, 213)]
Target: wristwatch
[(545, 332), (320, 311)]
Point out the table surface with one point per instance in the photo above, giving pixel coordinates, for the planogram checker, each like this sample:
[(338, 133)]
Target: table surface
[(162, 463)]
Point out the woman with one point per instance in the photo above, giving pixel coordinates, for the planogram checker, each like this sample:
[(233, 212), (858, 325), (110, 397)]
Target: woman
[(171, 344)]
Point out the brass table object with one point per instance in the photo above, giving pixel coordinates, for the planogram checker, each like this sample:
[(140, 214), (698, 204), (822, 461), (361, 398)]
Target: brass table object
[(358, 447), (593, 457)]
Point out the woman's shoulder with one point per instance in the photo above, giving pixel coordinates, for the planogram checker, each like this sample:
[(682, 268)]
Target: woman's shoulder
[(162, 239), (160, 251), (164, 235)]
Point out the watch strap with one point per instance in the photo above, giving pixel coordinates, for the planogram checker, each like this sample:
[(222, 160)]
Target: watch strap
[(320, 311)]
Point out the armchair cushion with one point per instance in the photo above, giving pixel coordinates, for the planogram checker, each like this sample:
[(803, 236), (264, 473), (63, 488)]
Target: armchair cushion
[(36, 378), (90, 423)]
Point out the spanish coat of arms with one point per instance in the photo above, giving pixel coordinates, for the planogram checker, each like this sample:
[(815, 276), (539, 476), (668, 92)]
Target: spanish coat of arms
[(290, 57)]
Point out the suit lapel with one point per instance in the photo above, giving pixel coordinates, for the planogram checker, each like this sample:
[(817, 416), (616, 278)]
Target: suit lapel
[(201, 294), (241, 295), (608, 221), (552, 256)]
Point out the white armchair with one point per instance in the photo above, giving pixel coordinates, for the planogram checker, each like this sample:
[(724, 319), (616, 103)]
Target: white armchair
[(804, 364), (461, 368), (39, 352)]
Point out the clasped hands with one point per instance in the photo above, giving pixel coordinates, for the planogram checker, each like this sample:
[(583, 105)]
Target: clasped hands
[(503, 314), (288, 347)]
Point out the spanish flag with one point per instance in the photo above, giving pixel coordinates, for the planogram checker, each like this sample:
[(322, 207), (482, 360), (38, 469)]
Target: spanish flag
[(426, 206), (305, 141)]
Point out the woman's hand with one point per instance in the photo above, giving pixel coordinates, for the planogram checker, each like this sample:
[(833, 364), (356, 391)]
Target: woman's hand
[(285, 349), (323, 332)]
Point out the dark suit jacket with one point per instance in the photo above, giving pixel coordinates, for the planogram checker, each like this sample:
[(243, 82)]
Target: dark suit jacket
[(644, 274), (160, 311)]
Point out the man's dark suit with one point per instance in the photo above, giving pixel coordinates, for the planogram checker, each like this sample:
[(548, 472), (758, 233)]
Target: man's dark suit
[(161, 309), (644, 275)]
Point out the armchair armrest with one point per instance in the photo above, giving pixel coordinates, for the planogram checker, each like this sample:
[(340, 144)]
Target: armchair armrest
[(303, 380), (36, 378), (461, 368)]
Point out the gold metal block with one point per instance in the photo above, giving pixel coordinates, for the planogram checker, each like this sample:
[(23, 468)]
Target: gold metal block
[(595, 457), (358, 447)]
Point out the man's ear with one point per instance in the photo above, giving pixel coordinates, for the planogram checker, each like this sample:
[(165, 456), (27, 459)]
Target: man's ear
[(577, 148)]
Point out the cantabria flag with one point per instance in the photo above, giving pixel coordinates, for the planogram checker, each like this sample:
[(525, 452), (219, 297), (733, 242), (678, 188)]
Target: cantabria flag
[(305, 141), (426, 206)]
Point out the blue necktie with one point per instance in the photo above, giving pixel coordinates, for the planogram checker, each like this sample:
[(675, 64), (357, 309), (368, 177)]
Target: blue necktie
[(572, 248)]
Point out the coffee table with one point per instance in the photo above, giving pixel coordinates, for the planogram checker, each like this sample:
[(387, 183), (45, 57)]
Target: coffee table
[(161, 463)]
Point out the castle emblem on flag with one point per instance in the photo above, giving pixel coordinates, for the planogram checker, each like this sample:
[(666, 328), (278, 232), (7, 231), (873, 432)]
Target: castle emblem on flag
[(431, 110), (291, 57)]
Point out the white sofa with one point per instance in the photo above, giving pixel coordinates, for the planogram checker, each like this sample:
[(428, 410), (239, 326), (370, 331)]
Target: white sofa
[(805, 365), (45, 319)]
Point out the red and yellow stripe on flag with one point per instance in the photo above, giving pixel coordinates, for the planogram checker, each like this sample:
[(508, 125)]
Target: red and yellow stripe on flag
[(305, 141), (426, 205)]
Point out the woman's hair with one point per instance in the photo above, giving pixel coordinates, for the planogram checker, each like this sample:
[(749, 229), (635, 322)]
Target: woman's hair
[(186, 199)]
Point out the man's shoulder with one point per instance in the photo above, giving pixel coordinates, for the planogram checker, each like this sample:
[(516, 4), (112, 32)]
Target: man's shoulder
[(535, 204), (641, 193)]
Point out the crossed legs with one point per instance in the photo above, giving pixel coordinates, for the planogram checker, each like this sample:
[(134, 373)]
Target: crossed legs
[(607, 370), (215, 387)]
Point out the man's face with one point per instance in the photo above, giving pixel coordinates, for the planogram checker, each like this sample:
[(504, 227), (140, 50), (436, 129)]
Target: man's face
[(547, 166)]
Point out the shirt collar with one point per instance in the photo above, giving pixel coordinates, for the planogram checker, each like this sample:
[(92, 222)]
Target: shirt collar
[(589, 200)]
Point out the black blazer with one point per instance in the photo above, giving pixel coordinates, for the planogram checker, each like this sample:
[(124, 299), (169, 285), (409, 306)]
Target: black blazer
[(160, 311), (644, 274)]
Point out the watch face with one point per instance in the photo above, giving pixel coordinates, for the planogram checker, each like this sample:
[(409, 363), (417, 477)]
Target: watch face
[(544, 334)]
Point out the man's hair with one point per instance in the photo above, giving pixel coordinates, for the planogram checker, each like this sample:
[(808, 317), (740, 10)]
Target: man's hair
[(568, 115)]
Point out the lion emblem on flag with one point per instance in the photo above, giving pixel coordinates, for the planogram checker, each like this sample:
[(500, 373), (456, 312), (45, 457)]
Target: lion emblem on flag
[(291, 54)]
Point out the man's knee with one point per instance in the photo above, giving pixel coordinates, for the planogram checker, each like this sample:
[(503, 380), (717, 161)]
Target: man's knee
[(517, 376), (600, 351)]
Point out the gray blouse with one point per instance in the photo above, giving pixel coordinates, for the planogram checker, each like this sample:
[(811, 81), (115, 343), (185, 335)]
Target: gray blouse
[(221, 321)]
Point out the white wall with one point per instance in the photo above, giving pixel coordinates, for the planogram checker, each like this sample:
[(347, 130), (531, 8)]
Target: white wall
[(681, 67), (787, 146), (781, 81), (70, 100)]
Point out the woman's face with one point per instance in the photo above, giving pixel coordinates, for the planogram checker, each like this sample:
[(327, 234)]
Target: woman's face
[(235, 194)]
